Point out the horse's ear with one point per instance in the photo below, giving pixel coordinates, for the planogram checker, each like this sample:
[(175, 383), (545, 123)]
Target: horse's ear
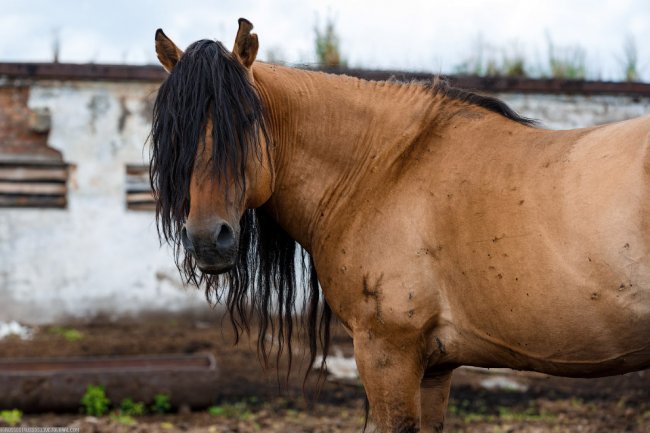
[(246, 43), (167, 51)]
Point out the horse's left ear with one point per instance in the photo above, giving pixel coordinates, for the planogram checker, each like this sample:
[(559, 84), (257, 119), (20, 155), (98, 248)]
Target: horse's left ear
[(246, 43)]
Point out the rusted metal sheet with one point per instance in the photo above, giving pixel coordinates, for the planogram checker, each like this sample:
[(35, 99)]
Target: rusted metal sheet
[(550, 86), (38, 385), (88, 71), (33, 184)]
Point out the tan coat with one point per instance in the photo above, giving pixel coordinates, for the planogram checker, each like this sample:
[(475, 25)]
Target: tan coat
[(445, 234)]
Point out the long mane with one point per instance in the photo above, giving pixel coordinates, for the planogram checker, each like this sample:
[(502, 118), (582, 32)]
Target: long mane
[(208, 83)]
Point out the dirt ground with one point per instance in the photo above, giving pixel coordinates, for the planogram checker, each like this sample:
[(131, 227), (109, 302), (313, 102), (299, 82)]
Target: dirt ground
[(250, 400)]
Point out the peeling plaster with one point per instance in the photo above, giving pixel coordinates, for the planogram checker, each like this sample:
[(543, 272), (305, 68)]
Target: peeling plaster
[(95, 256)]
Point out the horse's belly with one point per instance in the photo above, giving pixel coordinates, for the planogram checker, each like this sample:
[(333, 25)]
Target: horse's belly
[(573, 323)]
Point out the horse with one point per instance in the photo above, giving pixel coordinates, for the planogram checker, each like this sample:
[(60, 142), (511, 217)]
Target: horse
[(437, 225)]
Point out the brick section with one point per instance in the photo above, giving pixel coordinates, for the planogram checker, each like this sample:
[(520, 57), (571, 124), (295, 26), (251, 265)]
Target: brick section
[(31, 173), (23, 132)]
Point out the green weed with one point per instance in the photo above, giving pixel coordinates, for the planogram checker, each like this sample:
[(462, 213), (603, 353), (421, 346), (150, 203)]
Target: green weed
[(216, 410), (131, 408), (530, 414), (567, 62), (477, 417), (328, 50), (70, 334), (239, 410), (124, 419), (11, 417), (630, 60), (161, 404), (488, 60), (94, 401)]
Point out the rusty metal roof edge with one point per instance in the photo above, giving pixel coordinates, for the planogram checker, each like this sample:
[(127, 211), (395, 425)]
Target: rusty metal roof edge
[(85, 71), (155, 73), (497, 84)]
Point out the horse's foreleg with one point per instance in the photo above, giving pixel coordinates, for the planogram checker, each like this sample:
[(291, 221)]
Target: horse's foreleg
[(434, 396), (391, 372)]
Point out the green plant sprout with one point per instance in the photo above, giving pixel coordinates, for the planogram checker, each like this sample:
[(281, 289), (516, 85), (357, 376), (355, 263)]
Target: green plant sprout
[(129, 407), (11, 417), (94, 401), (70, 334), (239, 410), (124, 419), (161, 404), (328, 50)]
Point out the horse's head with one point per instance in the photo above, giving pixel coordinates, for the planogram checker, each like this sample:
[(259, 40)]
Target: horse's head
[(210, 158)]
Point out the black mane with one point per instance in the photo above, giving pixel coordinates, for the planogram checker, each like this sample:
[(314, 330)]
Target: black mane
[(208, 83), (441, 86)]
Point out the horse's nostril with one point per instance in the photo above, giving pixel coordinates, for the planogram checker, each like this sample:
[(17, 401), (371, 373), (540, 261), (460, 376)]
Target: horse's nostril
[(185, 240), (225, 238)]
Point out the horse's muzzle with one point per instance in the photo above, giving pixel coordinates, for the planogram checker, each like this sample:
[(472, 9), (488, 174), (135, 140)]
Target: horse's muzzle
[(214, 249)]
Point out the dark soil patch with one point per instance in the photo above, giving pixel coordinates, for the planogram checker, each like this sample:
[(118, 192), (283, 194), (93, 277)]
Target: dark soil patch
[(255, 399)]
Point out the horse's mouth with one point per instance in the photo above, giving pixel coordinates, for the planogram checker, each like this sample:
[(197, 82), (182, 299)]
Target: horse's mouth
[(215, 269)]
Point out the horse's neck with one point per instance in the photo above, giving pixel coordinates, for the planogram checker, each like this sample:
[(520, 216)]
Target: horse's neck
[(333, 133)]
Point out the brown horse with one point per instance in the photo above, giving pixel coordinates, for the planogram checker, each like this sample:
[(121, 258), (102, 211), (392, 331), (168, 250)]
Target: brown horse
[(445, 229)]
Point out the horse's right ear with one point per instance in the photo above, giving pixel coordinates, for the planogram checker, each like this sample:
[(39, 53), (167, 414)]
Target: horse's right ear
[(167, 51), (246, 44)]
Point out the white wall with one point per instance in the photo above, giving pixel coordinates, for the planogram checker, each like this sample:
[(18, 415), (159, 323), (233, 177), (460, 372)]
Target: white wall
[(576, 111), (97, 256)]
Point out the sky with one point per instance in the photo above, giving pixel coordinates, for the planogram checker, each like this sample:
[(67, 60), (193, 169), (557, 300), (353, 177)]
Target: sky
[(417, 35)]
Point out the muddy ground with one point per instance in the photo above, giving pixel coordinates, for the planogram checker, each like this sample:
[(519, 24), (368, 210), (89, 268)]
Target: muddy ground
[(249, 399)]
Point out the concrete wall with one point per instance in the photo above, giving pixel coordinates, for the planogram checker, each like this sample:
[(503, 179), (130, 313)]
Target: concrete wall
[(97, 256), (560, 111)]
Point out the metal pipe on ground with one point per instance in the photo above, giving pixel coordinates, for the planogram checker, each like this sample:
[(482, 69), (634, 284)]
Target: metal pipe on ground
[(58, 384)]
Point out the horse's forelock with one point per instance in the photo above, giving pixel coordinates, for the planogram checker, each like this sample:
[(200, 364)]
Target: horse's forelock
[(207, 83)]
